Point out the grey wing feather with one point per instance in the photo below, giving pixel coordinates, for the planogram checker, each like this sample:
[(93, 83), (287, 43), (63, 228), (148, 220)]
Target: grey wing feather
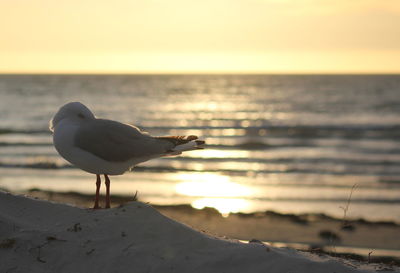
[(117, 142)]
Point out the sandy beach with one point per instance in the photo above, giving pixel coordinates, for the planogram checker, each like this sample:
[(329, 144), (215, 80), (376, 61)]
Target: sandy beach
[(40, 236), (316, 231)]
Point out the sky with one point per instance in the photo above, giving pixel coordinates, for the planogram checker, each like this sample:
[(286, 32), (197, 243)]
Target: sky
[(208, 36)]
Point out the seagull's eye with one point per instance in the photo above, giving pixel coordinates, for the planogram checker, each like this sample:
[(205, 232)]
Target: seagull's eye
[(81, 116)]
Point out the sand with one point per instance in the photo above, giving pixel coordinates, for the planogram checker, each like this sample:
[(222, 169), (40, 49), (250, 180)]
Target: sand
[(41, 236), (380, 238)]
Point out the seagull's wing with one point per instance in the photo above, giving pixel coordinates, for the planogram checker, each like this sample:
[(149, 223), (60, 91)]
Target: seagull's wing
[(116, 142)]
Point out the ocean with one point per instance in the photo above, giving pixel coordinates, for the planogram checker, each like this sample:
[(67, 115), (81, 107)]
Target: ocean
[(288, 143)]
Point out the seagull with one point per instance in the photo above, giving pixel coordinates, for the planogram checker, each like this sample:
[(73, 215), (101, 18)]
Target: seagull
[(107, 147)]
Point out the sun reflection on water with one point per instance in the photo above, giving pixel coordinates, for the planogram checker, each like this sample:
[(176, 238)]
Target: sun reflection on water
[(213, 190), (223, 205)]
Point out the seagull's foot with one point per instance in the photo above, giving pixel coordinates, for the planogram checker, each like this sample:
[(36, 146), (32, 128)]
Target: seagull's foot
[(96, 199), (107, 182)]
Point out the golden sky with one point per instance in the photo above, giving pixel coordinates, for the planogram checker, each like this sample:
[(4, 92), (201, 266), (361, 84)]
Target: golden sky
[(174, 36)]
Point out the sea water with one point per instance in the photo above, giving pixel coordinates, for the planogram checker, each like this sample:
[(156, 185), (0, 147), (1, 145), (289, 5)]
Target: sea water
[(289, 143)]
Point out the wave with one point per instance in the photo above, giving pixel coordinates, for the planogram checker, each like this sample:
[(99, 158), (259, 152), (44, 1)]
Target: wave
[(330, 200), (242, 144), (304, 131), (36, 165), (45, 165), (4, 131), (3, 144), (343, 200), (372, 131)]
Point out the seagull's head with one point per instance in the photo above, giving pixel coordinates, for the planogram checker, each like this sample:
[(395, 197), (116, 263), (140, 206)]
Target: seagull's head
[(73, 111)]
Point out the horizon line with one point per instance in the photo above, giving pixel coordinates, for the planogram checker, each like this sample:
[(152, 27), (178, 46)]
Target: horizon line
[(199, 73)]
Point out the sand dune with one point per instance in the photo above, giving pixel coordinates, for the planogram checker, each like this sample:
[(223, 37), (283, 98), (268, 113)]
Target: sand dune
[(41, 236)]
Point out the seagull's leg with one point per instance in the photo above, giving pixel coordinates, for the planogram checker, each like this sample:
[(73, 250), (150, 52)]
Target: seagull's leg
[(96, 200), (107, 191)]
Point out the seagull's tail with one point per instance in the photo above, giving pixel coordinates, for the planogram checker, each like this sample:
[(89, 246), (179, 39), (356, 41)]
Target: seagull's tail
[(183, 143)]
